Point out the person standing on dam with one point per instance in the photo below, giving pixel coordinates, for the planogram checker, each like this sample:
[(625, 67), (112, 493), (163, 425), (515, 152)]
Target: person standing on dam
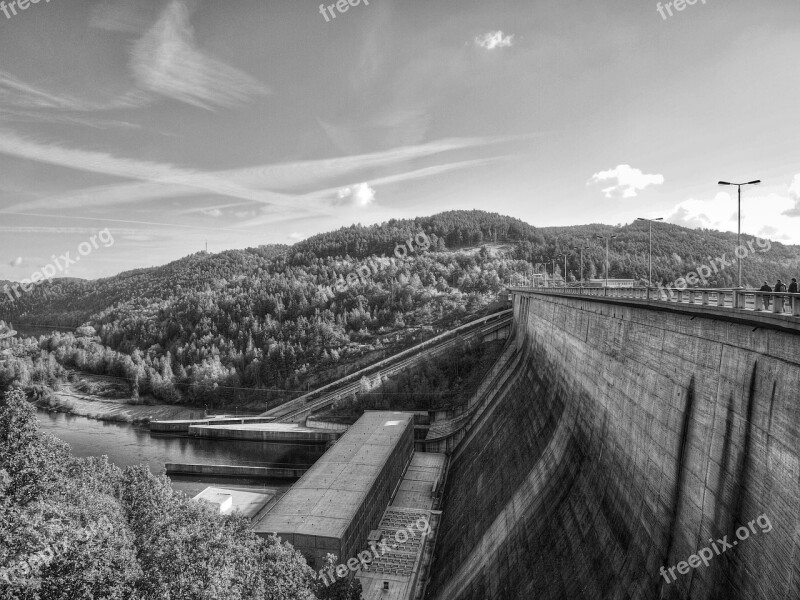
[(765, 288), (780, 287), (793, 286)]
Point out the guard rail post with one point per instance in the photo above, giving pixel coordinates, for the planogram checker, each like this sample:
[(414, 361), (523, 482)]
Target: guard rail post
[(777, 304), (759, 302), (738, 299)]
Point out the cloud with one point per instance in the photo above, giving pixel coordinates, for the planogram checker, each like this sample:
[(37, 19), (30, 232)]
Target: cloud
[(265, 177), (166, 61), (16, 262), (363, 195), (764, 215), (29, 116), (104, 220), (627, 181), (14, 92), (212, 212), (794, 196), (494, 39), (359, 195), (59, 230), (295, 236), (98, 162)]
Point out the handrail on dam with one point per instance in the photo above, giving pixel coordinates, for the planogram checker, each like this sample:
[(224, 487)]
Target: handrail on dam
[(754, 303)]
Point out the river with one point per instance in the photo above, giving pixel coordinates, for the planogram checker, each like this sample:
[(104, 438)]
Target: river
[(127, 445)]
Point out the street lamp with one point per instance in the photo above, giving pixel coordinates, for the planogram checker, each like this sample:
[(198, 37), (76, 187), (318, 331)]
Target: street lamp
[(606, 238), (739, 235), (581, 249), (650, 276)]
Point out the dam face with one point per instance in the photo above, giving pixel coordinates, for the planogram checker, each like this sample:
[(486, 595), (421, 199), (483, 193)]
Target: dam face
[(629, 439)]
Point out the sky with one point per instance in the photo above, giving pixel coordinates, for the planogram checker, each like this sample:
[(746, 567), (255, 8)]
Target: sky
[(159, 126)]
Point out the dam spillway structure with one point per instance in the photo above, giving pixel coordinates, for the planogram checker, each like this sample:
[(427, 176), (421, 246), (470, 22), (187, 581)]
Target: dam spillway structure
[(637, 450)]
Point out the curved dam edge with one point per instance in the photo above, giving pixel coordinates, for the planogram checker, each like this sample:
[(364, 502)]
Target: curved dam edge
[(630, 440)]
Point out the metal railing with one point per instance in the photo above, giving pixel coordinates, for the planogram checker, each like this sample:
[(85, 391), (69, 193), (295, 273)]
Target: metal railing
[(778, 303)]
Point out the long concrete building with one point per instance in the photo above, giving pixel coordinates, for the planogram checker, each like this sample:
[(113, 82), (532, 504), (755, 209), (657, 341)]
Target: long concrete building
[(335, 505)]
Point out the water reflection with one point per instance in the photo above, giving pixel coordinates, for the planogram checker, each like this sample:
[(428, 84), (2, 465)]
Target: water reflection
[(127, 445)]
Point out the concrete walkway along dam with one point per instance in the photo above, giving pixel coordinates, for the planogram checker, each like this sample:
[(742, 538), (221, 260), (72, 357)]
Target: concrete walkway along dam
[(630, 439)]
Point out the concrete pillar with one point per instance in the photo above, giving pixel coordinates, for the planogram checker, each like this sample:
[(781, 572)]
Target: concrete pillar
[(704, 300), (777, 304), (759, 302), (796, 306), (739, 300), (720, 298)]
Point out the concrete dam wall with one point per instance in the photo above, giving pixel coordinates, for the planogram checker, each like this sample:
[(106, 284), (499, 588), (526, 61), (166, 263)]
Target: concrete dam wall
[(628, 439)]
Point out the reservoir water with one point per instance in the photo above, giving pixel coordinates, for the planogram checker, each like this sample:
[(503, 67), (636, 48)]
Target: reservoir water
[(127, 445)]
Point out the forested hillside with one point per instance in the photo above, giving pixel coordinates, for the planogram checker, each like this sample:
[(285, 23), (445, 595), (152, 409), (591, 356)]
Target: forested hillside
[(284, 318)]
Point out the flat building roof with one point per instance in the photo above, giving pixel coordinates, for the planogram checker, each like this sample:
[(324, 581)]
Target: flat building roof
[(326, 499), (232, 500)]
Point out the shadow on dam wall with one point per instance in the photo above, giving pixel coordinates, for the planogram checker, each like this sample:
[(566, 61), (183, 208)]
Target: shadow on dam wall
[(626, 441)]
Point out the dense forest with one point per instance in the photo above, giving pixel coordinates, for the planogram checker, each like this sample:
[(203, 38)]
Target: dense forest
[(280, 319), (83, 528)]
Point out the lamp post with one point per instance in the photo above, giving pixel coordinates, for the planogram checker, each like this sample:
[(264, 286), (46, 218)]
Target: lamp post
[(581, 249), (606, 238), (565, 266), (650, 276), (739, 235), (539, 270), (553, 261)]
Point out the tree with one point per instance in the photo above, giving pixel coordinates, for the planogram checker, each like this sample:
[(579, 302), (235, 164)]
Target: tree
[(32, 460), (81, 528), (347, 588)]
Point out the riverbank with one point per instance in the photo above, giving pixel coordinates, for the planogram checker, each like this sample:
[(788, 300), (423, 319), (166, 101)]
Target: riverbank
[(106, 409)]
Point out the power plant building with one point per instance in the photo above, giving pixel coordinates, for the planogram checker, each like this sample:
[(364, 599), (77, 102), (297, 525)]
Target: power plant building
[(333, 507)]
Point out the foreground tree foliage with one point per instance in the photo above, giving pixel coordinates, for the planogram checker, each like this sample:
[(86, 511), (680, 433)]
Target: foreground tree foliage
[(74, 528), (340, 589)]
